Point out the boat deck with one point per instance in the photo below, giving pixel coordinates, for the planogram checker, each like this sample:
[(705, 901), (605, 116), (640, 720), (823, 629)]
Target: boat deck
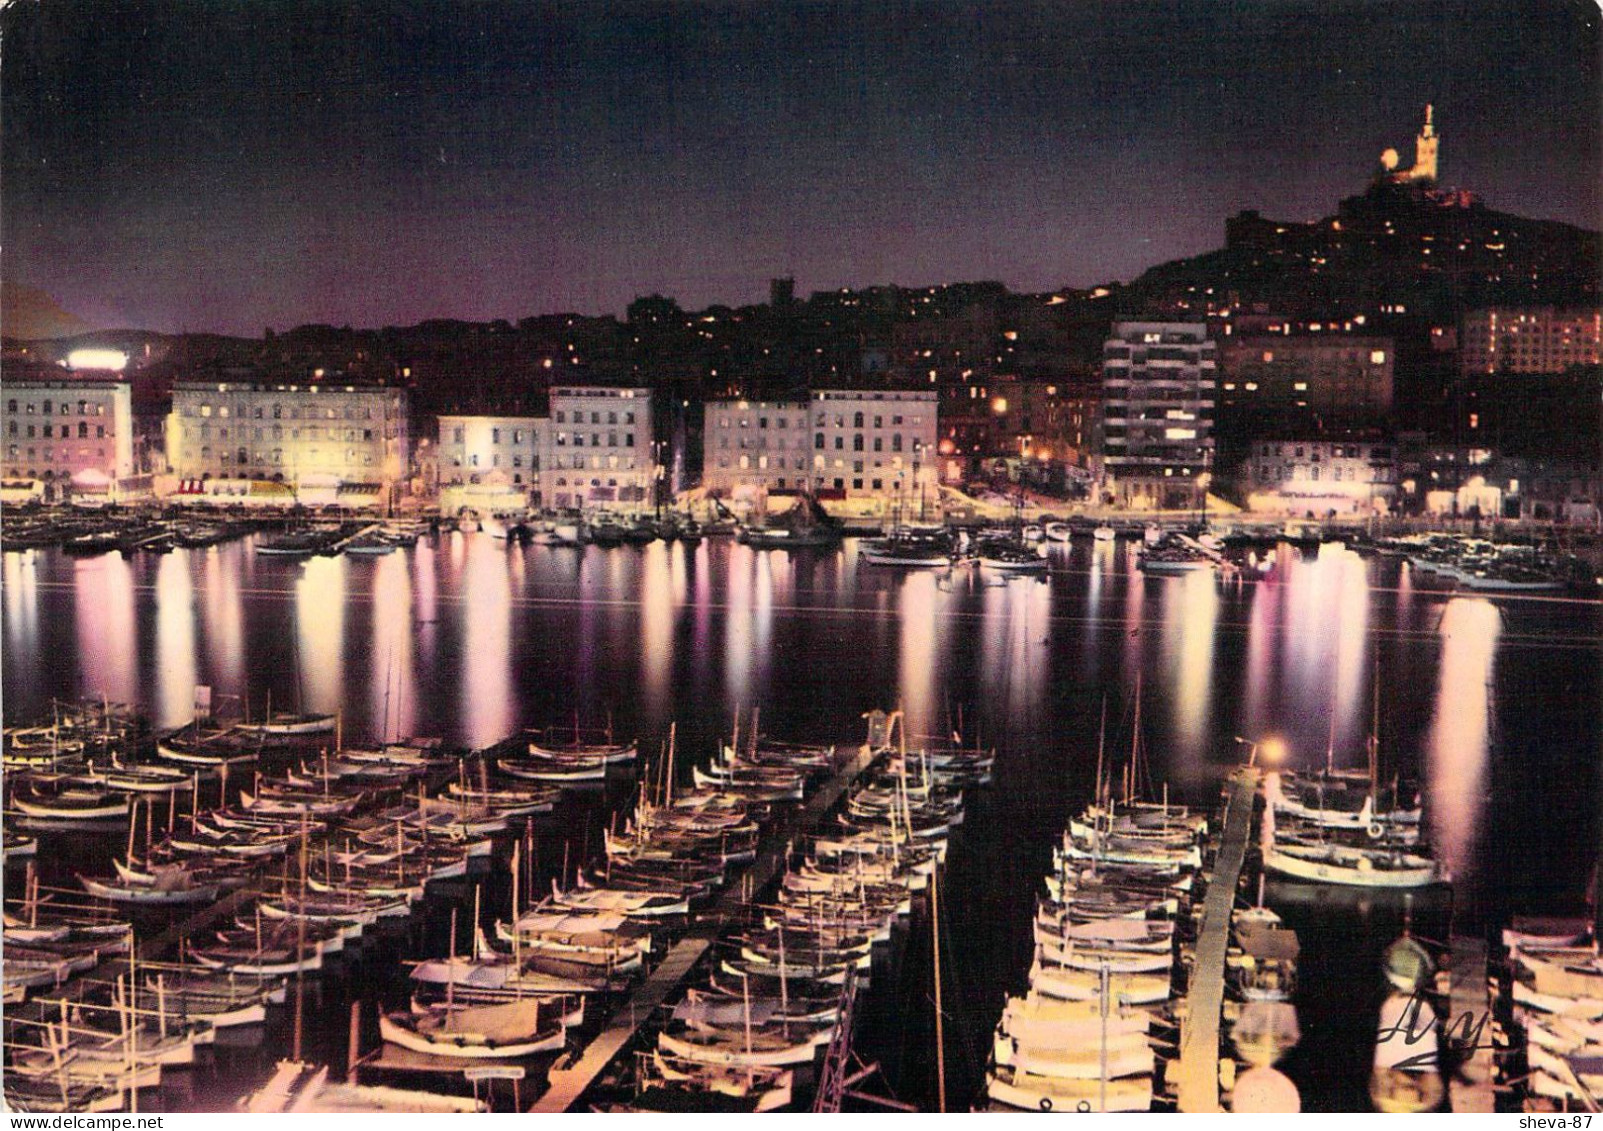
[(1199, 1039), (568, 1084)]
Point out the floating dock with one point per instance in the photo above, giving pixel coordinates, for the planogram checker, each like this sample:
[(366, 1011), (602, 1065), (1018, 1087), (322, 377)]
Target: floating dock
[(1199, 1036), (569, 1084)]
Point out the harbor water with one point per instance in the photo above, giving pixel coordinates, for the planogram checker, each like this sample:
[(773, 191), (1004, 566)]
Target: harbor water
[(1490, 709)]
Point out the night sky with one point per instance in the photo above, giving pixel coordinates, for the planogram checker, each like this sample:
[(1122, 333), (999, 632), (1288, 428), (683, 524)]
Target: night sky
[(230, 166)]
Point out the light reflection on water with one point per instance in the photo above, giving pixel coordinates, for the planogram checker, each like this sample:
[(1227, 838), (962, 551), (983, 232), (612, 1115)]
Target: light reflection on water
[(393, 696), (223, 617), (175, 640), (320, 603), (1190, 612), (1457, 751), (661, 593), (471, 639), (108, 639), (486, 630), (920, 644), (21, 584)]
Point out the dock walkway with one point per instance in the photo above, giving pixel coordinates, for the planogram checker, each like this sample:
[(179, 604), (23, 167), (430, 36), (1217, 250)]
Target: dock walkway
[(1470, 1004), (1199, 1038), (568, 1085)]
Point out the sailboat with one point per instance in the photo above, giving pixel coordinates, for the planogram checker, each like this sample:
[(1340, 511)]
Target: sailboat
[(1331, 845)]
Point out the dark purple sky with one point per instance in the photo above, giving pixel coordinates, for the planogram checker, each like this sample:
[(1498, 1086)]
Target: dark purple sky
[(233, 165)]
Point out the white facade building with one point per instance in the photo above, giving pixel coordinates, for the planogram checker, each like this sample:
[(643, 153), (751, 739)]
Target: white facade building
[(72, 436), (755, 446), (600, 450), (489, 464), (840, 443), (595, 449), (1321, 477), (318, 439), (1158, 381)]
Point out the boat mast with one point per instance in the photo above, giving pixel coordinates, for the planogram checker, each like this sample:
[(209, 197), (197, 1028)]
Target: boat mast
[(1330, 739), (1101, 741), (940, 1028), (1374, 740), (1135, 744)]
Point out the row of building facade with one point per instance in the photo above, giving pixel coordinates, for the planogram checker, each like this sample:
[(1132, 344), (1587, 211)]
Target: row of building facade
[(1307, 404)]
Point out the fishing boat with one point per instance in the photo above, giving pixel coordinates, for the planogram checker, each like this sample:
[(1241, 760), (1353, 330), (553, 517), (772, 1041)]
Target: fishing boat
[(761, 1088), (72, 806), (1335, 864), (209, 749), (503, 1031), (289, 725), (295, 543), (804, 525), (910, 549), (548, 744), (1177, 554), (136, 779), (169, 884), (1011, 554)]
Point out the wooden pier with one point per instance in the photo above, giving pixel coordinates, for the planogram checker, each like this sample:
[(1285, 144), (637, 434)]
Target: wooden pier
[(569, 1084), (1199, 1036), (1470, 1004)]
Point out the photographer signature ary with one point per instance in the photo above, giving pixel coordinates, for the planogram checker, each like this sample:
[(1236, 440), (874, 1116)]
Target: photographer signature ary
[(1417, 1022)]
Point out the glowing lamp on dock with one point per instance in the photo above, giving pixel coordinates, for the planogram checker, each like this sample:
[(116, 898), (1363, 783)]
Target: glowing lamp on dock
[(1272, 750)]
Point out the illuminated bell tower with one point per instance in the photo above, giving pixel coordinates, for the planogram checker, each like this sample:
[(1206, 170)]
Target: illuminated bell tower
[(1425, 151)]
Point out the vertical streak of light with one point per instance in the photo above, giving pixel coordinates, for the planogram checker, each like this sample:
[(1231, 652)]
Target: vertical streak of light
[(657, 607), (917, 654), (175, 641), (426, 581), (1191, 614), (108, 631), (1261, 673), (487, 711), (773, 579), (21, 585), (1032, 607), (1099, 580), (1352, 653), (224, 623), (1135, 596), (1460, 731), (738, 633), (393, 686), (320, 635), (699, 564)]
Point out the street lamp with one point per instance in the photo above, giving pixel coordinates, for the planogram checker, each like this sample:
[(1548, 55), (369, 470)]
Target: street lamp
[(1273, 750)]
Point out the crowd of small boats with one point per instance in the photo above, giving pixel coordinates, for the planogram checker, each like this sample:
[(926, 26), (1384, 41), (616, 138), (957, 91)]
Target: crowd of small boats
[(777, 998), (1344, 826), (316, 845), (1549, 1010), (83, 534), (1097, 1027), (1480, 565)]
